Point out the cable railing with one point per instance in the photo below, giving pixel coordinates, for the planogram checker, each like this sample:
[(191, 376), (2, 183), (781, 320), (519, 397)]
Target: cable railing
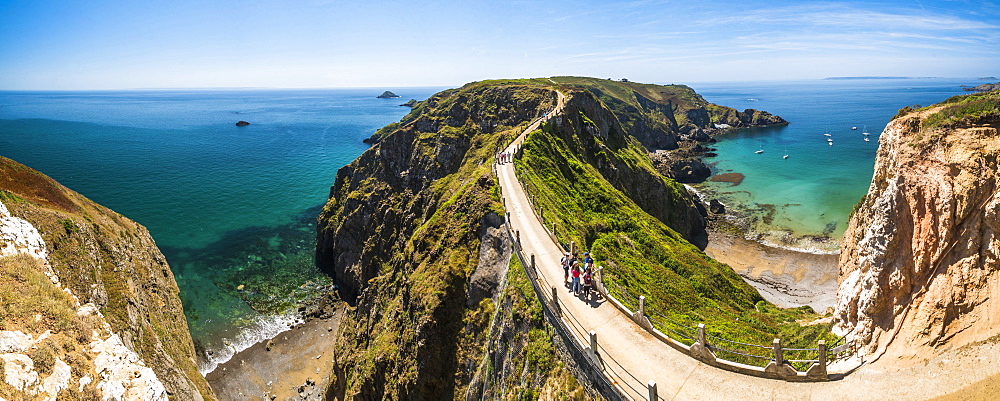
[(797, 364), (727, 350)]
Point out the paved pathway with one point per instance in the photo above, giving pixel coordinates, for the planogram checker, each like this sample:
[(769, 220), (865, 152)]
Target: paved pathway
[(678, 376)]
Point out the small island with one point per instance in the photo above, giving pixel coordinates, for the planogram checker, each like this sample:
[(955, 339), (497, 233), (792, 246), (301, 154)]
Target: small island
[(387, 95), (983, 87), (242, 123)]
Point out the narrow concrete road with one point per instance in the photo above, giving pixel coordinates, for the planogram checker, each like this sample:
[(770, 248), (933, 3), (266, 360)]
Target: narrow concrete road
[(632, 357)]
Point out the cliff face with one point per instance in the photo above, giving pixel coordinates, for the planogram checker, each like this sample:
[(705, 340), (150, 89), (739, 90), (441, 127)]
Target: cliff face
[(597, 136), (410, 232), (671, 121), (118, 283), (403, 234), (919, 262), (665, 116)]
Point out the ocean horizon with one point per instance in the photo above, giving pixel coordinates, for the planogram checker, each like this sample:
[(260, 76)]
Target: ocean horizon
[(233, 208)]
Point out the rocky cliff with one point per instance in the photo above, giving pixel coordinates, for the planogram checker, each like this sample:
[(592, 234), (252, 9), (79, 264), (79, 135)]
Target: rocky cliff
[(671, 121), (410, 231), (919, 262), (403, 234), (89, 304)]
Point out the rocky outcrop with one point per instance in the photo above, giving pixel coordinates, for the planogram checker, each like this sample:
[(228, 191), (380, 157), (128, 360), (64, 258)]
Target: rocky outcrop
[(410, 103), (387, 95), (920, 261), (671, 121), (120, 373), (602, 140), (111, 266), (242, 123), (984, 87), (411, 233)]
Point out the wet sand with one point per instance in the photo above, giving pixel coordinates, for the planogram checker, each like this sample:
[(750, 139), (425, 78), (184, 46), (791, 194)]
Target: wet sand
[(784, 277), (299, 365)]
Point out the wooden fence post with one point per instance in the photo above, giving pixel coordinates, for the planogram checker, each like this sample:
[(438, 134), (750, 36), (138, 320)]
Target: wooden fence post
[(652, 390)]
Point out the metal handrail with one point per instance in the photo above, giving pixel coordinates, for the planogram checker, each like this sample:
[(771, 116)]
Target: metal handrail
[(580, 336)]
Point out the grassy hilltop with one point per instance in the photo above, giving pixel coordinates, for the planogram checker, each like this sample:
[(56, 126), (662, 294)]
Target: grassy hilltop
[(409, 231)]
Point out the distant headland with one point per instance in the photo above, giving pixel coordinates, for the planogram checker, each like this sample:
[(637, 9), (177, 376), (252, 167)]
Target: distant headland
[(833, 78)]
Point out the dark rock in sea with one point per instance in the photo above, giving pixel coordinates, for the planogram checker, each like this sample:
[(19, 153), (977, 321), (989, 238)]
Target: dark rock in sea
[(984, 87), (711, 154), (242, 123), (684, 165), (387, 95), (716, 207), (758, 118), (410, 103)]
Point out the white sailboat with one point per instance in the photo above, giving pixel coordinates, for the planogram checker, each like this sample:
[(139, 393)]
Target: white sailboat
[(865, 132), (785, 156), (761, 149)]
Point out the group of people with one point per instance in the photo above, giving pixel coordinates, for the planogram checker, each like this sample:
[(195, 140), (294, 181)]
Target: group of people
[(582, 273), (505, 157)]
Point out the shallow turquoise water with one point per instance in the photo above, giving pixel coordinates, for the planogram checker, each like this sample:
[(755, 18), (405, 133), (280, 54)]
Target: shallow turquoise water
[(810, 194), (227, 205), (234, 206)]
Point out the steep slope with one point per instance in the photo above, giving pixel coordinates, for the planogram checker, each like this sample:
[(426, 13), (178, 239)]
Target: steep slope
[(410, 230), (403, 234), (596, 186), (662, 116), (670, 121), (108, 262), (919, 264)]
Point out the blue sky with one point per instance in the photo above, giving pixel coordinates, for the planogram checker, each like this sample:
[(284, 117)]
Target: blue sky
[(100, 44)]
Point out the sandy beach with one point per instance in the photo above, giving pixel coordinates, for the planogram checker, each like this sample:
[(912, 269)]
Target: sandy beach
[(785, 277), (295, 365)]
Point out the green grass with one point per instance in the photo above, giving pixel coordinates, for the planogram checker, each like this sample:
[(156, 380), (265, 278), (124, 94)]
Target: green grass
[(965, 110), (643, 256)]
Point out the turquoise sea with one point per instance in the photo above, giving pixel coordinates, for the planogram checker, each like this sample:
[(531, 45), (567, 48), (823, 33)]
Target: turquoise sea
[(803, 202), (227, 205), (235, 206)]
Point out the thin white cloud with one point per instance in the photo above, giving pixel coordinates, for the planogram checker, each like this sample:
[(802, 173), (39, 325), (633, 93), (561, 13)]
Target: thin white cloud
[(846, 17)]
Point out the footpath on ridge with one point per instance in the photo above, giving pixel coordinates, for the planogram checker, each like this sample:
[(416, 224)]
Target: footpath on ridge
[(645, 358)]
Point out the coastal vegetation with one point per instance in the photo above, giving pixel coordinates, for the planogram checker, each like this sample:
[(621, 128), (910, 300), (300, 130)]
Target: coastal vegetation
[(642, 255), (410, 223), (402, 234), (965, 110), (104, 259)]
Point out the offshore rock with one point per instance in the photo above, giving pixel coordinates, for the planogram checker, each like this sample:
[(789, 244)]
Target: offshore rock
[(716, 207), (387, 95), (242, 123), (920, 261), (984, 88)]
